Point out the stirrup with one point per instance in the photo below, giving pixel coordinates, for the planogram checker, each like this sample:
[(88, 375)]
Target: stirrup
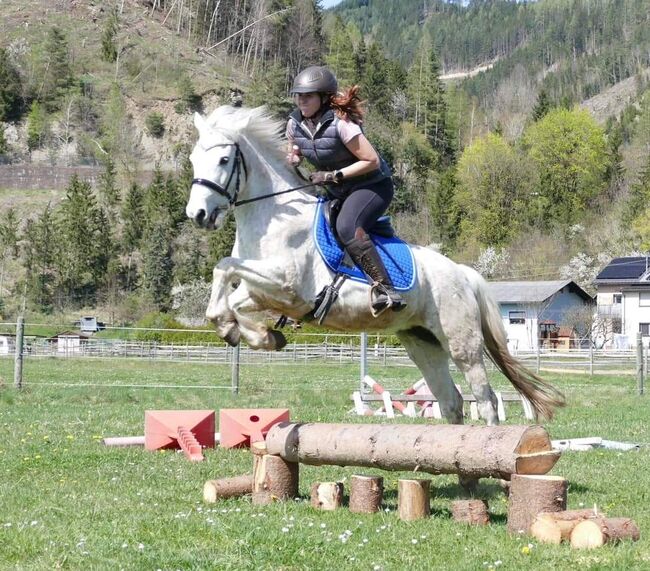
[(379, 291)]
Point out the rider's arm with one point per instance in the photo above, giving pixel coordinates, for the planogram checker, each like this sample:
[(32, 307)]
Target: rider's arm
[(356, 142)]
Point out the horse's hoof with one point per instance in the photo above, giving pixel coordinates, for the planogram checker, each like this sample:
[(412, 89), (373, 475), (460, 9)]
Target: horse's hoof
[(278, 339), (233, 336)]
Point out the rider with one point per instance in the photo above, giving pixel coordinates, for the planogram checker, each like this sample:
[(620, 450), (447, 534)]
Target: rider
[(326, 129)]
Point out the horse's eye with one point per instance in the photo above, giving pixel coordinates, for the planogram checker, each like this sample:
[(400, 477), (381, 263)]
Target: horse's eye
[(224, 160)]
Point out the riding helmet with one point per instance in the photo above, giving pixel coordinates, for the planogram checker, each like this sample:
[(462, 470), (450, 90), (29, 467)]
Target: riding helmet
[(315, 79)]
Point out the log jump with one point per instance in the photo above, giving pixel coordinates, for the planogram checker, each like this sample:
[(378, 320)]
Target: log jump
[(474, 451)]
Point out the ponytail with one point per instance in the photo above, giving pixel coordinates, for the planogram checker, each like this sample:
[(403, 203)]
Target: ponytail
[(348, 105)]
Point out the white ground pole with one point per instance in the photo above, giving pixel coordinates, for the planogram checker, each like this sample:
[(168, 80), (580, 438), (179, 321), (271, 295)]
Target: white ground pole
[(364, 363)]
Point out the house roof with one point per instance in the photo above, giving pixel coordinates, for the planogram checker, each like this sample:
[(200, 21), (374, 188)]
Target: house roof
[(627, 270), (532, 292)]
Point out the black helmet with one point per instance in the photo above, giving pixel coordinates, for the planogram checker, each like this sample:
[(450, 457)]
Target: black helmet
[(315, 79)]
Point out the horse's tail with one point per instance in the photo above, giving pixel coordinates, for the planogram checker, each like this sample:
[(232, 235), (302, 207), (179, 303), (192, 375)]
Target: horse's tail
[(543, 397)]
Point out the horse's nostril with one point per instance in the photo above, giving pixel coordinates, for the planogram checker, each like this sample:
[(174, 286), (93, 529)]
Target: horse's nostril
[(200, 216)]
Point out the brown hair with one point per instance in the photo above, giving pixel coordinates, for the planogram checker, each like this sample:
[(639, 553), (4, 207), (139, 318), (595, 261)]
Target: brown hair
[(348, 104)]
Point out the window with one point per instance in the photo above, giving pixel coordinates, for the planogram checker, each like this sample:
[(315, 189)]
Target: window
[(644, 299), (644, 329), (618, 298), (517, 317)]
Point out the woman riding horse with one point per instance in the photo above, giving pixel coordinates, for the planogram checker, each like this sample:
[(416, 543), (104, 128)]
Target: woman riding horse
[(326, 130)]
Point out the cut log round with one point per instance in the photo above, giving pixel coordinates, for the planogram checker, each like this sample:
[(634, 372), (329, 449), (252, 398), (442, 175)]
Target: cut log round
[(366, 494), (596, 532), (326, 496), (214, 490), (275, 475), (548, 524), (413, 499), (531, 495), (473, 512), (474, 451)]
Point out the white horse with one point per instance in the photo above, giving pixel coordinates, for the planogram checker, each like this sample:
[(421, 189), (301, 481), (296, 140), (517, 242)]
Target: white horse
[(240, 157)]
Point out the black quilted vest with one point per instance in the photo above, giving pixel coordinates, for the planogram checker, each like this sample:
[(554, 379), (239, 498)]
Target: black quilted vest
[(325, 150)]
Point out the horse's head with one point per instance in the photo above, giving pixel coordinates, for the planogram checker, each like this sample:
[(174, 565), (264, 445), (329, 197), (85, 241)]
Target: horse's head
[(218, 172)]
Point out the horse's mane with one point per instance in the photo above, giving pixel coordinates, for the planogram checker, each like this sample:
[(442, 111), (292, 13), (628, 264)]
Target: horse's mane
[(254, 123)]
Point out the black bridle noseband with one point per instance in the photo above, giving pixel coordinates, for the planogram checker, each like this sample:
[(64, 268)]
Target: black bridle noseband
[(240, 163)]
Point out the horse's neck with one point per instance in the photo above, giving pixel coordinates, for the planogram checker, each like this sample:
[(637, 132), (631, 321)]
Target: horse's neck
[(269, 223)]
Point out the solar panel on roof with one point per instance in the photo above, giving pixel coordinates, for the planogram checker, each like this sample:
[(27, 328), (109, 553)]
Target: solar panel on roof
[(624, 269)]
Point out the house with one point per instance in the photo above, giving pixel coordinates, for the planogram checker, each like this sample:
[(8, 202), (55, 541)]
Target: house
[(69, 342), (534, 312), (623, 300)]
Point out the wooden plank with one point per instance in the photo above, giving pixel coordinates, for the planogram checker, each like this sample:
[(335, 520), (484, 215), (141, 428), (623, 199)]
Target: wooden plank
[(506, 397)]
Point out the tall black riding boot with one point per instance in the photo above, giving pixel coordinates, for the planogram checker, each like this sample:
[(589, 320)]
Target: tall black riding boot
[(382, 295)]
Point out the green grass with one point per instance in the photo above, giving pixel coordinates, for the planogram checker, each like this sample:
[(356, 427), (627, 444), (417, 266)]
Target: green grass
[(68, 502)]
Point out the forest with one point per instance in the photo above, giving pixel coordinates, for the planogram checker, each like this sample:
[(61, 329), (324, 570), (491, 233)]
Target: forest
[(508, 170)]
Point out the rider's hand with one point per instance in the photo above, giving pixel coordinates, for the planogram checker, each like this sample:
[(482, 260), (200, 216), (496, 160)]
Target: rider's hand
[(322, 177), (294, 158)]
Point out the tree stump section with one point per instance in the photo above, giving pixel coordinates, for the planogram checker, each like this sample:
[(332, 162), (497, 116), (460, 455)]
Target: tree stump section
[(413, 499), (473, 512), (596, 532), (214, 490), (273, 474), (531, 495), (326, 496), (366, 494), (472, 451), (555, 527)]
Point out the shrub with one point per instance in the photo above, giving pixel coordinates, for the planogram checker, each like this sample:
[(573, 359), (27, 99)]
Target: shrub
[(155, 124)]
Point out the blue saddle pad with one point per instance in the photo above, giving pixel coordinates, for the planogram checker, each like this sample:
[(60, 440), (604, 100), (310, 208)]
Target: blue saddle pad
[(396, 254)]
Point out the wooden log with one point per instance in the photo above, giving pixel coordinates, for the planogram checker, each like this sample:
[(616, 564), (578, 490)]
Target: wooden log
[(592, 533), (366, 494), (475, 451), (413, 499), (531, 495), (263, 498), (214, 490), (554, 527), (275, 475), (123, 441), (326, 496), (473, 512)]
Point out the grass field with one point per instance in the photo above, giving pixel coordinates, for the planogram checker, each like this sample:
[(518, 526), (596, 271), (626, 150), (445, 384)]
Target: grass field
[(68, 502)]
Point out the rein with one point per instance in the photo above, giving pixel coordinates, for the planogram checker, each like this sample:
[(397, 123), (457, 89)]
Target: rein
[(236, 170)]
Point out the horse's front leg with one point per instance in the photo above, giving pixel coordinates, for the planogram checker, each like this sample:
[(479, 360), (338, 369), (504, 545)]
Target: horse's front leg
[(270, 278), (219, 312)]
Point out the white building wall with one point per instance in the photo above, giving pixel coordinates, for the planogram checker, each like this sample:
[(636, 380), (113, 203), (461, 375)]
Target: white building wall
[(635, 310)]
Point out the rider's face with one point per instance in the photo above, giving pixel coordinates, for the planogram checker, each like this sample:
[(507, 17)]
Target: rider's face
[(308, 103)]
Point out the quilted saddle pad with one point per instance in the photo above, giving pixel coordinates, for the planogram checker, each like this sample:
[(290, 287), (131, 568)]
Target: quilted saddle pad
[(396, 254)]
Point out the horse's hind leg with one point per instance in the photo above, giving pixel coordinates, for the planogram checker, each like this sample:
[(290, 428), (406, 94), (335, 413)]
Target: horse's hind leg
[(426, 352)]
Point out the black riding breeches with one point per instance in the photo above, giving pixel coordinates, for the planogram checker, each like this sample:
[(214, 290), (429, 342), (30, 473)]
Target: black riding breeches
[(362, 207)]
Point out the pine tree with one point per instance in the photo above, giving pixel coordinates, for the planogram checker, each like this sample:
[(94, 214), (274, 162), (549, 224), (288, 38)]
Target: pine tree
[(10, 88), (340, 55), (108, 193), (542, 106), (37, 127), (56, 76), (111, 27), (158, 268), (39, 258), (375, 88), (132, 221)]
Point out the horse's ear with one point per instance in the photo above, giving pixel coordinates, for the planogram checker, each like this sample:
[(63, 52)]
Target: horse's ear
[(199, 122)]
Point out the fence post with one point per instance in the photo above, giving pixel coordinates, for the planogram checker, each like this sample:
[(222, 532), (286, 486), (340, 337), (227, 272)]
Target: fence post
[(18, 357), (591, 357), (235, 369), (364, 360), (538, 357), (639, 362)]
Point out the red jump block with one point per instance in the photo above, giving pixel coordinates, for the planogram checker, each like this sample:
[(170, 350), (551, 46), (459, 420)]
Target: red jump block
[(186, 429), (239, 427)]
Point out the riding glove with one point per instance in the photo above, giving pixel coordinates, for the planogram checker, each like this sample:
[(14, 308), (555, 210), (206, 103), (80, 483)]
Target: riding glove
[(322, 177)]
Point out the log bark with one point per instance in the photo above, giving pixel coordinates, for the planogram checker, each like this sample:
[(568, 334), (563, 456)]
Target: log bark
[(326, 496), (596, 532), (275, 475), (413, 499), (473, 512), (531, 495), (554, 527), (366, 494), (474, 451), (214, 490)]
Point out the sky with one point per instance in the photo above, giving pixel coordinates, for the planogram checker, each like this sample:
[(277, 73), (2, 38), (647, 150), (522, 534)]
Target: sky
[(330, 3)]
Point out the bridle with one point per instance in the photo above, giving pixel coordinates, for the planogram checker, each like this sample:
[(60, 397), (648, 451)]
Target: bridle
[(240, 163)]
